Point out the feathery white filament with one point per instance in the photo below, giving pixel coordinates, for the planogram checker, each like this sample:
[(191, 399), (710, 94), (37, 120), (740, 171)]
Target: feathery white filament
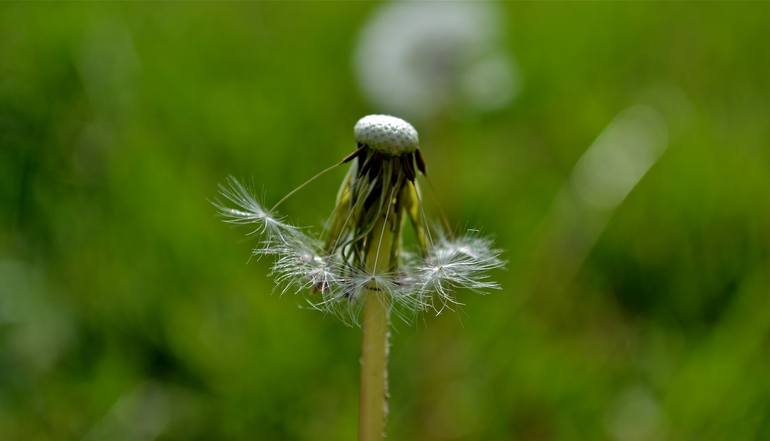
[(461, 263), (248, 211), (421, 283)]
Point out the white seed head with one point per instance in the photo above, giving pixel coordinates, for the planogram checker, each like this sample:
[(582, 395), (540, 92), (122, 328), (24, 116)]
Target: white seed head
[(386, 134), (339, 286)]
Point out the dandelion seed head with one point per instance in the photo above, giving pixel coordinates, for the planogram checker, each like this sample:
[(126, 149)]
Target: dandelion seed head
[(386, 134), (299, 266), (344, 268), (338, 286), (452, 264), (420, 59)]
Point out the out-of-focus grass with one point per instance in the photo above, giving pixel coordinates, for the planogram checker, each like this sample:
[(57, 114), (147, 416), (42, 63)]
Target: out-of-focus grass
[(128, 311)]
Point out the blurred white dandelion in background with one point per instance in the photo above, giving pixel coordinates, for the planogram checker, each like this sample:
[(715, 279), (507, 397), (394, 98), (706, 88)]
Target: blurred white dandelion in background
[(420, 58)]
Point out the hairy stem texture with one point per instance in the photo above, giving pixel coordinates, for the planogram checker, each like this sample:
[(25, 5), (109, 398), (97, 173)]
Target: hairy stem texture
[(376, 333)]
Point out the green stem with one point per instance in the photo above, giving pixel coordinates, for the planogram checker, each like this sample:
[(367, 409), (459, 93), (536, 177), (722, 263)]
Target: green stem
[(375, 338)]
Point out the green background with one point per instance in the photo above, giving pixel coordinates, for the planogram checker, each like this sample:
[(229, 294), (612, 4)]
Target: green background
[(129, 311)]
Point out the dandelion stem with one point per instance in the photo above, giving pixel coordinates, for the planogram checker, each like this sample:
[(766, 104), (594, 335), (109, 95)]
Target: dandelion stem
[(376, 334)]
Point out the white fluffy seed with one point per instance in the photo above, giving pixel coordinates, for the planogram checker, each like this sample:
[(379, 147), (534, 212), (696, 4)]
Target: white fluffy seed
[(386, 134)]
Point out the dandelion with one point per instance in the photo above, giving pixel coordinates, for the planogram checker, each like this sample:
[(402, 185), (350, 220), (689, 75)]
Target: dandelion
[(358, 268), (421, 59)]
